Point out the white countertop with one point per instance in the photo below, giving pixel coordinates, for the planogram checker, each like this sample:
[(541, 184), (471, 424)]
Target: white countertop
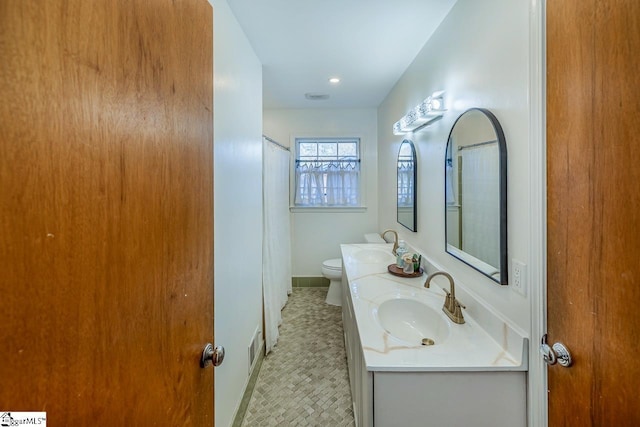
[(494, 346)]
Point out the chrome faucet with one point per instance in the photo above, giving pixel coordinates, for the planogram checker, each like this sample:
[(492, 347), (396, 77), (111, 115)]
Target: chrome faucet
[(452, 306), (395, 241)]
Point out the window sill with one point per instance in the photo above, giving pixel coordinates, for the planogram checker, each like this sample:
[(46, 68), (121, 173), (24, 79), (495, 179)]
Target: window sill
[(318, 209)]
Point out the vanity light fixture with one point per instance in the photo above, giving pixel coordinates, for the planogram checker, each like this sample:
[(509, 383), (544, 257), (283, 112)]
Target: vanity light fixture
[(421, 115), (334, 80)]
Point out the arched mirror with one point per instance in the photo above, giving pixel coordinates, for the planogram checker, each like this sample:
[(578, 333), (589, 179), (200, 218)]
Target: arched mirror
[(407, 169), (476, 193)]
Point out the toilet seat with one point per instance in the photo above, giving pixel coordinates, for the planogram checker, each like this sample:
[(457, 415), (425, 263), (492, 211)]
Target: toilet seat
[(333, 264)]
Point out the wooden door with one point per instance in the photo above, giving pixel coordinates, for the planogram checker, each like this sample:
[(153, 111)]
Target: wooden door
[(106, 210), (593, 149)]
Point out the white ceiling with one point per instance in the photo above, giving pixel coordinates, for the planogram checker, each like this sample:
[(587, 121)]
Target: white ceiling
[(368, 44)]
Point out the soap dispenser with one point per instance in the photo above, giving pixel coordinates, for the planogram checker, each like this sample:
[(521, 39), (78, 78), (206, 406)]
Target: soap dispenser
[(402, 249)]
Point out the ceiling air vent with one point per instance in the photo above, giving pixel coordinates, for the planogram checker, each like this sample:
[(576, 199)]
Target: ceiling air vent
[(316, 96)]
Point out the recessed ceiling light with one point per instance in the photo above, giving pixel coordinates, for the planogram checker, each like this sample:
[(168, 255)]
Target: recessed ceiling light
[(334, 80)]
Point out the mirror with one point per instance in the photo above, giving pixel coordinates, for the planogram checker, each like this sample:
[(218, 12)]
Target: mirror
[(476, 193), (407, 171)]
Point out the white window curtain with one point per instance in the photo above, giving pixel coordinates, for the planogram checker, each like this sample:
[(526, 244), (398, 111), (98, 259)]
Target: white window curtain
[(276, 252), (327, 183), (406, 185)]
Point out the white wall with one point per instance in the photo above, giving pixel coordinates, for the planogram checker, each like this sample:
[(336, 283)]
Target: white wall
[(480, 56), (238, 205), (316, 236)]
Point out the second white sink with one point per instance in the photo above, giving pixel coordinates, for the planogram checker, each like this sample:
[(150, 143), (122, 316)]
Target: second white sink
[(370, 256), (412, 321)]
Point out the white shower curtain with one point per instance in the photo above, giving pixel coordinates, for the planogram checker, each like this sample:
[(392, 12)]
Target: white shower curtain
[(481, 203), (276, 246)]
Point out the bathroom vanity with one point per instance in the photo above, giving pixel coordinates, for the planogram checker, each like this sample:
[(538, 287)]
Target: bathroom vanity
[(409, 365)]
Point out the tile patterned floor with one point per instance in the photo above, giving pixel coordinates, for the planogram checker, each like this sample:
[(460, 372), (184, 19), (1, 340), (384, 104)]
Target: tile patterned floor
[(304, 380)]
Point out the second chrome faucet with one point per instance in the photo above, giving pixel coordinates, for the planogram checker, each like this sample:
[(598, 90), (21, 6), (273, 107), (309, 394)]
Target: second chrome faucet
[(452, 306)]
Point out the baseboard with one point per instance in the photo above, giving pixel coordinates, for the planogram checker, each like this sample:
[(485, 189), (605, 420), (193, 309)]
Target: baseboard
[(309, 282), (246, 397)]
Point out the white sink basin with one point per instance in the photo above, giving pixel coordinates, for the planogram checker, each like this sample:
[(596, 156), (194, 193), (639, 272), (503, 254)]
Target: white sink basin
[(372, 256), (413, 322)]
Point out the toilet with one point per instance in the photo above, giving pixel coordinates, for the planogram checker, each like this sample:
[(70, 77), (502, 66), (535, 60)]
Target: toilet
[(332, 270)]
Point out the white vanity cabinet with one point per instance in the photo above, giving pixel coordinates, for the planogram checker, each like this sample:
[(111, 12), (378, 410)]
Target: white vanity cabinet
[(441, 399), (470, 380), (433, 398), (360, 379)]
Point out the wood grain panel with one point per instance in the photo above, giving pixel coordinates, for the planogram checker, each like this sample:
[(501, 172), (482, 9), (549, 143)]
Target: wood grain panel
[(593, 88), (106, 210)]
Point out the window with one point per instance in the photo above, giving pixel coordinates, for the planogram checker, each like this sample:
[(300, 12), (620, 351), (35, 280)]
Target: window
[(327, 172)]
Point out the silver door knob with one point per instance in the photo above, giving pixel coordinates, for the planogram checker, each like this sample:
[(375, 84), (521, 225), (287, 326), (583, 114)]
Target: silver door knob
[(212, 355), (547, 352), (557, 353)]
